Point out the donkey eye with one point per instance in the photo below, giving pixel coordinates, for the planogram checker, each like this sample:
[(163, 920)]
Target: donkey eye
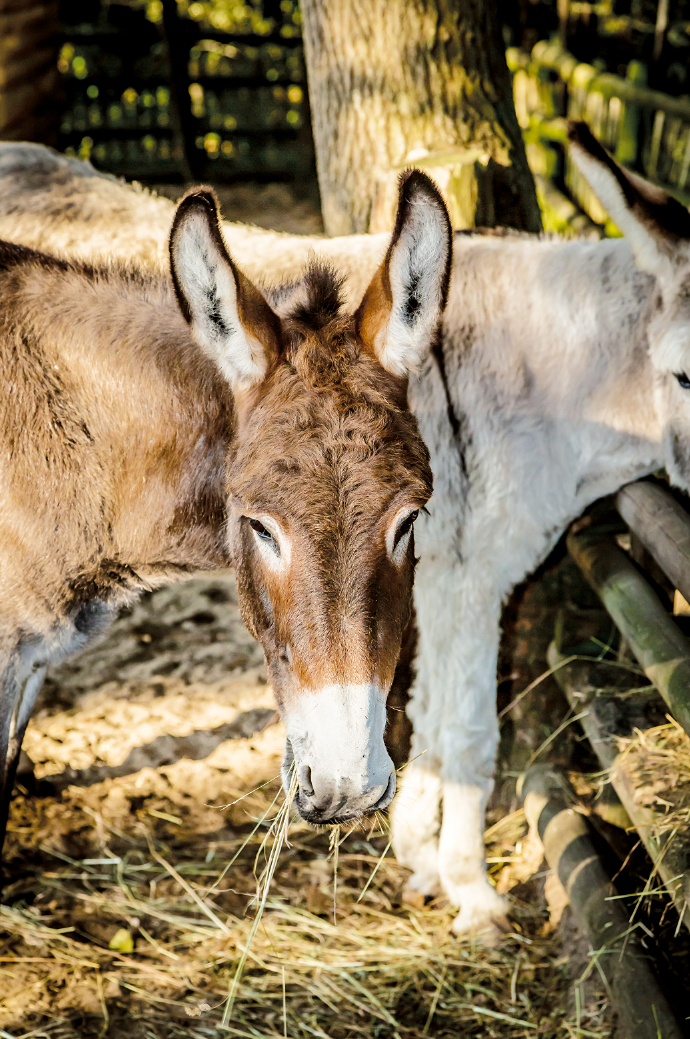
[(259, 529), (683, 380), (405, 527)]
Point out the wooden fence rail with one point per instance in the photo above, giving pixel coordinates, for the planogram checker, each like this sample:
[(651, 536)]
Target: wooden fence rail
[(647, 130)]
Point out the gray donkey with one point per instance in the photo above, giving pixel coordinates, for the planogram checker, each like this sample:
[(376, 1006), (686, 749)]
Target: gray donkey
[(561, 373)]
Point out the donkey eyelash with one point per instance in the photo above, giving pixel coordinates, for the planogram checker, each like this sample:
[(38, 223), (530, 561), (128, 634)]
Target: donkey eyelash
[(683, 380), (405, 527)]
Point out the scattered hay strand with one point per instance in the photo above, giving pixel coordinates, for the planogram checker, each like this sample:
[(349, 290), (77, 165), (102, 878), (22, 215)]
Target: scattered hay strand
[(279, 830)]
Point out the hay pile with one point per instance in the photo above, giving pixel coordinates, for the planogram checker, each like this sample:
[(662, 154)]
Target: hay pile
[(322, 963), (131, 900), (658, 761)]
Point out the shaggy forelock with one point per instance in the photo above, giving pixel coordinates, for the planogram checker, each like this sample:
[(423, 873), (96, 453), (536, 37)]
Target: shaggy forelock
[(313, 301), (330, 410)]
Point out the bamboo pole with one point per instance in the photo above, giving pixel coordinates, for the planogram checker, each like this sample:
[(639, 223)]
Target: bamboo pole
[(663, 527), (659, 645), (660, 28), (643, 1010), (627, 145), (609, 718)]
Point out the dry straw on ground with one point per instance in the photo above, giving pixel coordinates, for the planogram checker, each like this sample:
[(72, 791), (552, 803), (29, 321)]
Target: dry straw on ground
[(147, 863), (363, 965), (659, 763)]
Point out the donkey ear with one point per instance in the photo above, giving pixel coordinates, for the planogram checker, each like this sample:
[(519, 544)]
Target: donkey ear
[(230, 319), (657, 225), (401, 309)]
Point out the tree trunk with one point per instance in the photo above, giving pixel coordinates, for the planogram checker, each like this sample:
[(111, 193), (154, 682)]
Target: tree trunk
[(395, 83), (30, 94)]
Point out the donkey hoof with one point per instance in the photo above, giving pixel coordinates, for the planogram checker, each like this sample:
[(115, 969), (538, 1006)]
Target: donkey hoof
[(424, 885), (483, 915)]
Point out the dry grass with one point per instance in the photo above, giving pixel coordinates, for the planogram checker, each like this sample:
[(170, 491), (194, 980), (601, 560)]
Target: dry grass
[(147, 864), (658, 761), (184, 915)]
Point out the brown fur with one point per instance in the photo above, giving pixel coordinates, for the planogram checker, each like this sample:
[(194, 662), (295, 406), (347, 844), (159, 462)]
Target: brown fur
[(126, 462)]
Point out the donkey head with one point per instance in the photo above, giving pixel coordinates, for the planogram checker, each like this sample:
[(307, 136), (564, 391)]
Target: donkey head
[(658, 229), (324, 479)]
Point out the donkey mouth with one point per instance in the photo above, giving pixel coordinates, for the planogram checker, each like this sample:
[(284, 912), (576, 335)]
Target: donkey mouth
[(336, 808)]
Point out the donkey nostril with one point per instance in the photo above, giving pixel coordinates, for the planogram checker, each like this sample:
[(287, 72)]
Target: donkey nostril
[(387, 795), (305, 781)]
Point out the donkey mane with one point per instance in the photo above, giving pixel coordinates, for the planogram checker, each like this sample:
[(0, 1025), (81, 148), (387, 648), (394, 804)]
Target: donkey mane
[(322, 288), (312, 301), (113, 269), (13, 255)]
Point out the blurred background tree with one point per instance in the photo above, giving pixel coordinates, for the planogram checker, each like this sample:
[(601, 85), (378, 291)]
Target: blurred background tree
[(169, 91), (394, 83)]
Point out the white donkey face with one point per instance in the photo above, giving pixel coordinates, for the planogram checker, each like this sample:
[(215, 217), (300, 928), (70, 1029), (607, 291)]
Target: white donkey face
[(658, 229)]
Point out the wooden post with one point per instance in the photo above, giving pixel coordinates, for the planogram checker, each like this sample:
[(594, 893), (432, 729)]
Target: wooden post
[(659, 645), (178, 52), (563, 12), (643, 1011), (29, 77), (660, 28)]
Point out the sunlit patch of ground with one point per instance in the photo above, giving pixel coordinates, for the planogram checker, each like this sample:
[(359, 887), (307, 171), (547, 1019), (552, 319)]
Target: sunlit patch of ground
[(130, 900)]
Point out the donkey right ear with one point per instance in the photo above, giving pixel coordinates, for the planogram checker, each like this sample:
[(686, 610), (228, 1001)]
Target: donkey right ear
[(403, 305), (657, 226), (230, 319)]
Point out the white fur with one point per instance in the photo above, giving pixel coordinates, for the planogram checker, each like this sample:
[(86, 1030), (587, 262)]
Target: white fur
[(337, 733), (550, 374), (673, 349), (419, 258), (204, 274)]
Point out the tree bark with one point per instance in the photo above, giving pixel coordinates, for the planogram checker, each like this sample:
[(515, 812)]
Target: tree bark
[(395, 83), (30, 93)]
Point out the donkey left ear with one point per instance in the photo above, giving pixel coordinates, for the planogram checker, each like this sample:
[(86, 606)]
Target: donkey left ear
[(230, 319), (657, 226), (403, 305)]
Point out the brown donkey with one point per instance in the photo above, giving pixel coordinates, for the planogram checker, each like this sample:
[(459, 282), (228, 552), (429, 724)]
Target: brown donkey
[(144, 437)]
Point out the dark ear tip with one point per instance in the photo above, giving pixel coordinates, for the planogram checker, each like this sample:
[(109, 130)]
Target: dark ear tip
[(577, 131), (414, 182), (580, 134), (201, 197)]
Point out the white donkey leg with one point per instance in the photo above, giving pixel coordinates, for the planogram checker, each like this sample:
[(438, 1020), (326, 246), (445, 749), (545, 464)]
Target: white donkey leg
[(453, 710), (469, 744), (462, 863), (415, 820)]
